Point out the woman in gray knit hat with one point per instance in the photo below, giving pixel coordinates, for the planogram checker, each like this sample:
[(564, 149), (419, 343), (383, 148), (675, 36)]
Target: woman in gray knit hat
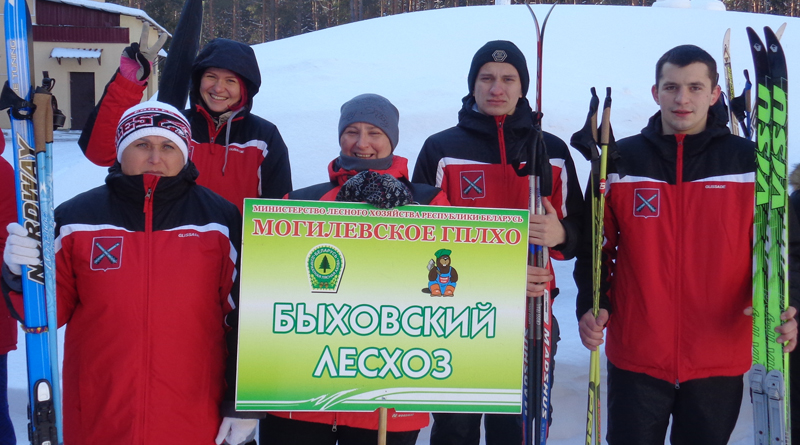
[(366, 170)]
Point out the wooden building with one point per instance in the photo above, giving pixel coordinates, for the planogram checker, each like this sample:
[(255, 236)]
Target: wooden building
[(79, 42)]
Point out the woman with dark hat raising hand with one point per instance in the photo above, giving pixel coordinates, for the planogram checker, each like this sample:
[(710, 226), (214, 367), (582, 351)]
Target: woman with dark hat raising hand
[(238, 154)]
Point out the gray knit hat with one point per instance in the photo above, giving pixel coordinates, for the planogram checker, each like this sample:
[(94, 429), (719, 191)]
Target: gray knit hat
[(372, 109)]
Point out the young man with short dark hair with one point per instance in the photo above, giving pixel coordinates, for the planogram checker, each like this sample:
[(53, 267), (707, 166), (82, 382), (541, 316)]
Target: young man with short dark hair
[(474, 163), (677, 266)]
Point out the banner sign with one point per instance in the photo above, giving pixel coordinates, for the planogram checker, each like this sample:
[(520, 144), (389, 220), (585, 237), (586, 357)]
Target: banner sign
[(347, 307)]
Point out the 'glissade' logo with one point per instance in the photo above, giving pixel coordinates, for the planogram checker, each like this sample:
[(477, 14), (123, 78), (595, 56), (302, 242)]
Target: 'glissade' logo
[(325, 265)]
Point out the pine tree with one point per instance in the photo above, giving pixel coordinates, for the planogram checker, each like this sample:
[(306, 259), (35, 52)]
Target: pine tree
[(325, 265)]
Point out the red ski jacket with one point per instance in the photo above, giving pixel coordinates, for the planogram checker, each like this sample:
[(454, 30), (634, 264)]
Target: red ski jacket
[(146, 267), (677, 254), (327, 191), (8, 214), (242, 157), (473, 163)]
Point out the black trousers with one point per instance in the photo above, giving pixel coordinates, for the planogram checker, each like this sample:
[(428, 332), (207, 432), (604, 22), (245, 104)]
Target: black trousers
[(276, 430), (501, 429), (703, 411), (794, 392)]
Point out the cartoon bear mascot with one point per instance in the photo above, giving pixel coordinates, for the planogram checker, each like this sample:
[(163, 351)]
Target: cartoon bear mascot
[(442, 276)]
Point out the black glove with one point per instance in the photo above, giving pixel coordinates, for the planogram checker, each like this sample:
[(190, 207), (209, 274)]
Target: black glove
[(585, 140), (382, 191)]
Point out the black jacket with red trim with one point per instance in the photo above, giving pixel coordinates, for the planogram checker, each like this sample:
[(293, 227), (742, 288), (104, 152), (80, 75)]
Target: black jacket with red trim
[(677, 257), (146, 270), (238, 156), (327, 191), (473, 163)]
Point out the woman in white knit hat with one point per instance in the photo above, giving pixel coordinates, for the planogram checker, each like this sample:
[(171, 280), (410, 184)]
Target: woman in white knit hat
[(146, 265)]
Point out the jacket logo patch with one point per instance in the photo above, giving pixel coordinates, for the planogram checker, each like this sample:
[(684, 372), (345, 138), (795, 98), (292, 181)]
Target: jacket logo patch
[(106, 253), (646, 202), (473, 185)]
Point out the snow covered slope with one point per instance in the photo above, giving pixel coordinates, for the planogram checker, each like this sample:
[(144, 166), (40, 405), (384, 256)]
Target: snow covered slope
[(420, 62)]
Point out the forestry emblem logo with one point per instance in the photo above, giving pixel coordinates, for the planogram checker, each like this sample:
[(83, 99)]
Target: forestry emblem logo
[(325, 264)]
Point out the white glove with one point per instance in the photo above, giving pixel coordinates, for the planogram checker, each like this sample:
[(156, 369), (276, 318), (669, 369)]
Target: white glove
[(20, 249), (236, 431)]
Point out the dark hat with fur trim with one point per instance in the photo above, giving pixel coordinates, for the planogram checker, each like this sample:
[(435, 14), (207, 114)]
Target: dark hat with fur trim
[(501, 51)]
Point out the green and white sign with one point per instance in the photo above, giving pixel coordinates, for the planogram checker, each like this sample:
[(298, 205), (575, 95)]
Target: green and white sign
[(346, 307)]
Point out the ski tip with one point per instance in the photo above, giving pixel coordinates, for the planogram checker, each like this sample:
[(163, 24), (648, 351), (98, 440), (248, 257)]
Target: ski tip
[(781, 29), (755, 41), (773, 43), (771, 37), (550, 11)]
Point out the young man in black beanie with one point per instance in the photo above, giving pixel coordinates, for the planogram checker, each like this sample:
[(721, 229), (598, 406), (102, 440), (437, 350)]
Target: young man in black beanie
[(473, 163)]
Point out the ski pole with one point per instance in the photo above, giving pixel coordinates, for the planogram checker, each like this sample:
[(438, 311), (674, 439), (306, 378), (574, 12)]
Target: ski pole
[(43, 123)]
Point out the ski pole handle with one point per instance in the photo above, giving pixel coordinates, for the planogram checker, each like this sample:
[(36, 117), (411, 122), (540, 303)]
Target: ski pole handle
[(42, 120), (605, 129)]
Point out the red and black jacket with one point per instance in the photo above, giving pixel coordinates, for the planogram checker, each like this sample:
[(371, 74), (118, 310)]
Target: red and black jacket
[(244, 157), (677, 257), (327, 191), (8, 214), (146, 270), (473, 163)]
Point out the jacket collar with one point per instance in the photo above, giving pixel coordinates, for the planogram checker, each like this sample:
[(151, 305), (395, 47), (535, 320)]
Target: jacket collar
[(516, 125), (167, 189), (398, 169), (693, 144)]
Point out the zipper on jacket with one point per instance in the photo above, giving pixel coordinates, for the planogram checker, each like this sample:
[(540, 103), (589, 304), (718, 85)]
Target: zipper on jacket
[(335, 419), (501, 140), (679, 138), (150, 182), (213, 131)]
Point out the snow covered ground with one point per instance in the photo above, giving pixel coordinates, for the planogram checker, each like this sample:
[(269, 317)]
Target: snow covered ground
[(420, 62)]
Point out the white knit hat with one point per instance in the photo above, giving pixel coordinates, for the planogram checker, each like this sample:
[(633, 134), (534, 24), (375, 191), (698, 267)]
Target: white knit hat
[(153, 118)]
